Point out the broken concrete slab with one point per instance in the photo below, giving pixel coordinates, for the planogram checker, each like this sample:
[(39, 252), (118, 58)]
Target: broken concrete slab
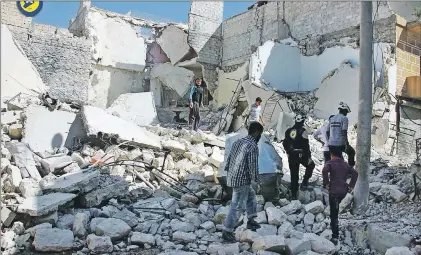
[(381, 240), (15, 63), (42, 134), (97, 121), (176, 78), (227, 84), (7, 216), (380, 133), (138, 108), (285, 121), (50, 165), (43, 205), (23, 159), (108, 187), (173, 42), (272, 243), (80, 182), (53, 240)]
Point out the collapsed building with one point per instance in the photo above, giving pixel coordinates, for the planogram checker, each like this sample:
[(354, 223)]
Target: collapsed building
[(117, 154)]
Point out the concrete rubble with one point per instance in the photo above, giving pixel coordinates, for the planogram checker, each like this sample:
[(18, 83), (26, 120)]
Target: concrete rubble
[(176, 78)]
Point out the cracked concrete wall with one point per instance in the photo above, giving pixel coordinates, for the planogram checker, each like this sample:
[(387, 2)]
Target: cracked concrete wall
[(314, 25), (61, 59), (205, 36)]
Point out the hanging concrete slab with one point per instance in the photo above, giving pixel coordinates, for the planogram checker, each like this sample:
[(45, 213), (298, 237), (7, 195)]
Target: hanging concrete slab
[(176, 78), (97, 121), (46, 130), (227, 84), (138, 108), (173, 41), (285, 121)]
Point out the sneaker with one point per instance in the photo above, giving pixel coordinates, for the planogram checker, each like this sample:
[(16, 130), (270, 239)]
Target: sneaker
[(228, 236), (252, 224)]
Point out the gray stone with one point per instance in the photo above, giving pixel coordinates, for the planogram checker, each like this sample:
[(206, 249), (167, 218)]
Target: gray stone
[(18, 228), (248, 236), (309, 219), (228, 249), (315, 207), (272, 243), (318, 227), (178, 253), (298, 246), (320, 217), (23, 240), (267, 230), (327, 233), (50, 218), (30, 188), (116, 229), (393, 192), (275, 216), (94, 223), (99, 244), (50, 165), (381, 240), (169, 204), (8, 240), (292, 207), (15, 176), (320, 244), (32, 230), (126, 216), (53, 240), (177, 225), (306, 196), (142, 238), (184, 237), (42, 205), (285, 229), (78, 182), (208, 225), (80, 224), (109, 187), (65, 221), (24, 160), (268, 204), (261, 217), (221, 214), (346, 202), (7, 216), (399, 251)]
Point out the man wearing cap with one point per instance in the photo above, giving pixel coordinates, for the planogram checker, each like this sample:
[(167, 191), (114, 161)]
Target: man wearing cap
[(337, 133), (255, 113), (195, 102), (321, 136)]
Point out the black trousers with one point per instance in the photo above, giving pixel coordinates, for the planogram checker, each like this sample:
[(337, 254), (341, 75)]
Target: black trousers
[(294, 162), (194, 116), (350, 152), (334, 213)]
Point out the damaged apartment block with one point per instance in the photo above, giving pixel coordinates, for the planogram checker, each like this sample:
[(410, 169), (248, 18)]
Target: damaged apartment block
[(97, 156)]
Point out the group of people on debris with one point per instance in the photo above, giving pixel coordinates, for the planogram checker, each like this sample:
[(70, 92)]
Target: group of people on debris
[(243, 170)]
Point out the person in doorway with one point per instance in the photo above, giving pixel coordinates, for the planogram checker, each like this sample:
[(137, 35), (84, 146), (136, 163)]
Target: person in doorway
[(321, 136), (297, 147), (242, 175), (195, 102), (254, 113), (335, 173), (337, 133)]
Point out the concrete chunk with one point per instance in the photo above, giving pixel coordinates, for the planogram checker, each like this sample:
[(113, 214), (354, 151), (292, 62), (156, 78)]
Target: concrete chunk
[(272, 243), (381, 240), (173, 42), (30, 188), (320, 244), (24, 160), (98, 121), (108, 187), (42, 134), (176, 78), (73, 182), (99, 244), (53, 240), (116, 229), (7, 216), (42, 205), (138, 108), (15, 175), (55, 163)]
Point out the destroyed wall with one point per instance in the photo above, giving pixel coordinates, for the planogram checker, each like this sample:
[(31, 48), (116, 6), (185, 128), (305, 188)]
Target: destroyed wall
[(205, 36), (331, 24), (61, 59)]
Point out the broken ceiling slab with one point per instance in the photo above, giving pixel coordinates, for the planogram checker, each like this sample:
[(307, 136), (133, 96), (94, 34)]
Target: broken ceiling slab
[(227, 84), (42, 205), (342, 86), (97, 121), (18, 74), (285, 121), (23, 159), (72, 182), (46, 130), (173, 42), (138, 108), (156, 54), (176, 78)]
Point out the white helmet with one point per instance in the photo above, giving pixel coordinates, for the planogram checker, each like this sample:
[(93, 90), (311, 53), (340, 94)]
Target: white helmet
[(344, 106), (299, 118)]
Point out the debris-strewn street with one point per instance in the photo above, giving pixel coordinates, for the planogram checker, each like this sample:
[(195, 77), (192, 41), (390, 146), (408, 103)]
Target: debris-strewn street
[(98, 155)]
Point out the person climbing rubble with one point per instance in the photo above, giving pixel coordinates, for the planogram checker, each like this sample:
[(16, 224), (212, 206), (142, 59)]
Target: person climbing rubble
[(296, 145), (242, 175), (335, 173), (337, 133), (321, 136), (254, 113), (195, 102)]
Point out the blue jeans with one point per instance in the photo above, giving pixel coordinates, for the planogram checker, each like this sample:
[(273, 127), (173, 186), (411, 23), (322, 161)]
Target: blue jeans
[(243, 198)]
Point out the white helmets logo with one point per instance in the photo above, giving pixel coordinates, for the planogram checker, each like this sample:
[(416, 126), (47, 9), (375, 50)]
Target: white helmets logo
[(299, 118), (344, 106)]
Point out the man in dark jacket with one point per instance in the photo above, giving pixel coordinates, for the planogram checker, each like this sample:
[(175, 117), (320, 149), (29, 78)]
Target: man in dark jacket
[(335, 173), (297, 147), (195, 102)]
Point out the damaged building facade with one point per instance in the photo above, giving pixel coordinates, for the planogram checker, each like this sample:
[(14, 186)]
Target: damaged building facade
[(118, 170)]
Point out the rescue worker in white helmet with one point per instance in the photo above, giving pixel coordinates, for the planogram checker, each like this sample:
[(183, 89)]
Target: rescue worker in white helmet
[(297, 147), (337, 133)]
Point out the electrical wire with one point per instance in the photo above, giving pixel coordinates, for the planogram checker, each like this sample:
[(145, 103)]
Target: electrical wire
[(397, 101)]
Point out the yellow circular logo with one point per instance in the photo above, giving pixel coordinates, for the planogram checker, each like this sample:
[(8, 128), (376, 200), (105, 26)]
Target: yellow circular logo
[(293, 134), (29, 8)]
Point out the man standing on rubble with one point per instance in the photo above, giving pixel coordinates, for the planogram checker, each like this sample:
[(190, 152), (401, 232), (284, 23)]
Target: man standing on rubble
[(321, 136), (254, 113), (297, 147), (195, 102), (242, 175), (337, 133)]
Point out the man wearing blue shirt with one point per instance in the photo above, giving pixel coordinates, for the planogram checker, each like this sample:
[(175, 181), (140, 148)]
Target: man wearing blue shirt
[(195, 102)]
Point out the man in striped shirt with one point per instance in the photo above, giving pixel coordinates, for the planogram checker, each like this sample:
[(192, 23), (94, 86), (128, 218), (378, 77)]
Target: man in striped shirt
[(242, 173)]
